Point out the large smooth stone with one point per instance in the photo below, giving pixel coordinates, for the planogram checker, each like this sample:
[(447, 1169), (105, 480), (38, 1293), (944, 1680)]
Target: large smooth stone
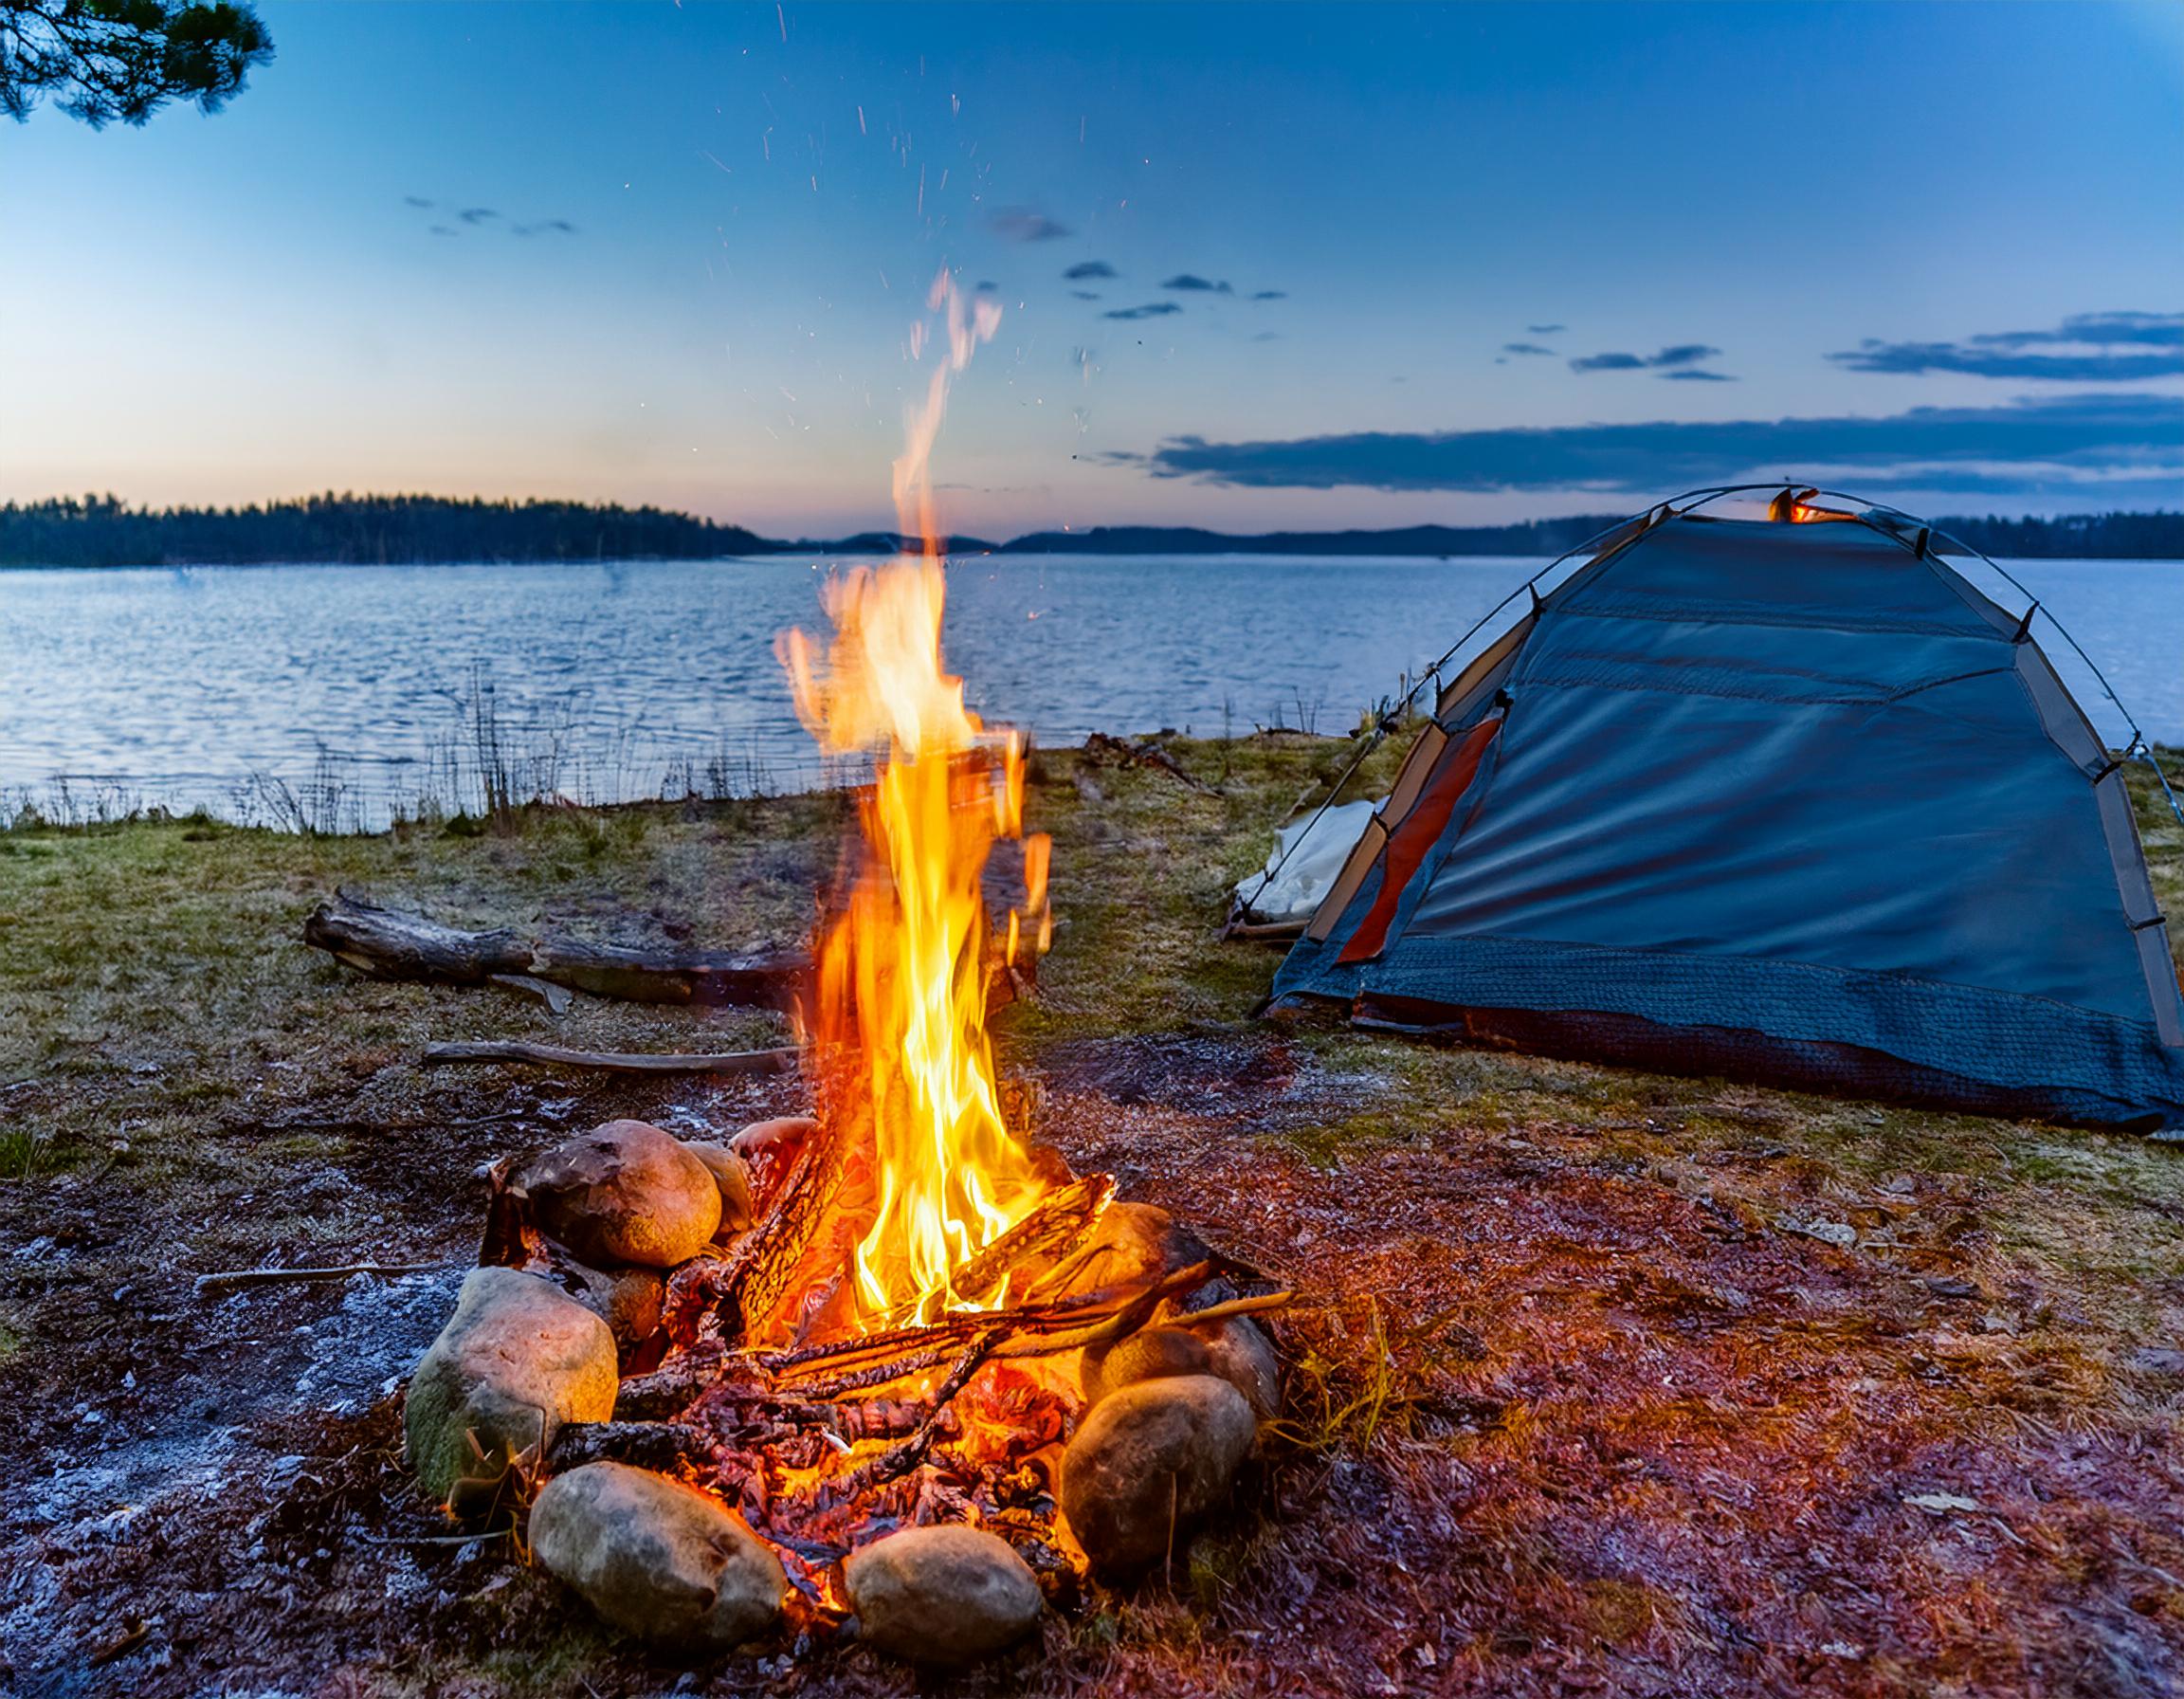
[(657, 1559), (1148, 1461), (1150, 1354), (731, 1175), (763, 1135), (517, 1359), (945, 1596), (625, 1193), (629, 1301), (1243, 1356)]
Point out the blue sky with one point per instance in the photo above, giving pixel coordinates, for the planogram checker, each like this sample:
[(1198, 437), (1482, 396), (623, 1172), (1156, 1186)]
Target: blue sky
[(1513, 260)]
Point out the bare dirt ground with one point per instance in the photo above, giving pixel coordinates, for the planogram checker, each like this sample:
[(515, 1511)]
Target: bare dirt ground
[(1601, 1382)]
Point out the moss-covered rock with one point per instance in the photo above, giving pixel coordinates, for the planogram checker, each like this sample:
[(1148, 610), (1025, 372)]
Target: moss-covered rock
[(517, 1359)]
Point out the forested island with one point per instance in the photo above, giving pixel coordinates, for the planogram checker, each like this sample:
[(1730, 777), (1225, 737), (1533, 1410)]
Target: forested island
[(366, 530)]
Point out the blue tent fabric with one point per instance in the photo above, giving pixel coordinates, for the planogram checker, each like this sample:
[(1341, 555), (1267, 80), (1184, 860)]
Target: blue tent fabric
[(1788, 801)]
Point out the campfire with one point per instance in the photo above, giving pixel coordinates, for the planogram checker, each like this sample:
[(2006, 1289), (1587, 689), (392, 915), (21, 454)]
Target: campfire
[(892, 1364)]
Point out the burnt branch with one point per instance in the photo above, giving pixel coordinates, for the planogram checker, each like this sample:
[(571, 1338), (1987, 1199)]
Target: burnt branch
[(893, 1464), (663, 1447)]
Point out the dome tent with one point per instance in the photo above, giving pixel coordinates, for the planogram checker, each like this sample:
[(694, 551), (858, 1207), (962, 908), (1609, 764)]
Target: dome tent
[(1787, 799)]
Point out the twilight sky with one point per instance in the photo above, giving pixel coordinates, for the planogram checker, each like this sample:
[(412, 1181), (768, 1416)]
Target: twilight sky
[(1260, 267)]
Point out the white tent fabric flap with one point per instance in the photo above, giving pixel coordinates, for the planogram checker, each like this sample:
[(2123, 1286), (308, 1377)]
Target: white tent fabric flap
[(1306, 859)]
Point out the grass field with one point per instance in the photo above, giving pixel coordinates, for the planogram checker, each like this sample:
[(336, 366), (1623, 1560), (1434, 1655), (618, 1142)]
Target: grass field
[(1601, 1382)]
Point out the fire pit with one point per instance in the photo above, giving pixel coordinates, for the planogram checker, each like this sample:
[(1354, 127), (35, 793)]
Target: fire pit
[(894, 1362)]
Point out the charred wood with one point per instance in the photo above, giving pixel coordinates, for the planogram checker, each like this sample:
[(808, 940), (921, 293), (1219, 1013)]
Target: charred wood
[(757, 1276), (661, 1445)]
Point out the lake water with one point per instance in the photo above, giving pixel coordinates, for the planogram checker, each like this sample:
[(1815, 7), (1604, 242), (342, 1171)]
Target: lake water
[(343, 692)]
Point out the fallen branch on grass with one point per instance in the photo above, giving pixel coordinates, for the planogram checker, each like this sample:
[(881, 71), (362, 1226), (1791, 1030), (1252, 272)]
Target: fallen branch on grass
[(386, 943), (780, 1060), (1104, 751), (232, 1277)]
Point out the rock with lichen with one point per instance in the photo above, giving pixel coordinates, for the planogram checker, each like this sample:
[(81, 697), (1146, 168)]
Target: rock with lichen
[(517, 1359)]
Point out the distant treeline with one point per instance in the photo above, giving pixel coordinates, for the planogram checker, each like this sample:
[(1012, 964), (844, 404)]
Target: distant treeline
[(1535, 537), (105, 531), (2081, 536)]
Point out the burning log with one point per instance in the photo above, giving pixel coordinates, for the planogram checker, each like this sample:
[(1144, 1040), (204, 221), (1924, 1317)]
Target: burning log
[(893, 1464), (1046, 1234), (387, 944), (1028, 1330), (752, 1281)]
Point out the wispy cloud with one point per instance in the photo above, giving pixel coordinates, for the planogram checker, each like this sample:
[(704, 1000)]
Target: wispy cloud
[(1085, 272), (1269, 295), (1526, 348), (1545, 330), (553, 227), (1025, 224), (1694, 374), (1152, 309), (1192, 282), (415, 200), (1087, 294), (2117, 442), (1608, 362), (477, 215), (2085, 348)]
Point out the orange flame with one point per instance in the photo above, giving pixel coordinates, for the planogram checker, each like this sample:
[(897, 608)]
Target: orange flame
[(901, 1001)]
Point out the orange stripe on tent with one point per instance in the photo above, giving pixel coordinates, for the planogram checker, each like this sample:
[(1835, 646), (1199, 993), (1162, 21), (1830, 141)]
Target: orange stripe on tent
[(1421, 830)]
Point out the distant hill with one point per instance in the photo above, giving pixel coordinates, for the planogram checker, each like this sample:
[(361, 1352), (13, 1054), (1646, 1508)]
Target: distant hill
[(349, 529), (1536, 536)]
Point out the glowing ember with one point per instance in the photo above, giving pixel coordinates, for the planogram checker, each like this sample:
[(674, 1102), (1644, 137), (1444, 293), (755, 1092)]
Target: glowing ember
[(898, 1027)]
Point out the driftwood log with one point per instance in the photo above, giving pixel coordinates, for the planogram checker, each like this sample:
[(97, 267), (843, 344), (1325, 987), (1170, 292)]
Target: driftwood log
[(386, 943)]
